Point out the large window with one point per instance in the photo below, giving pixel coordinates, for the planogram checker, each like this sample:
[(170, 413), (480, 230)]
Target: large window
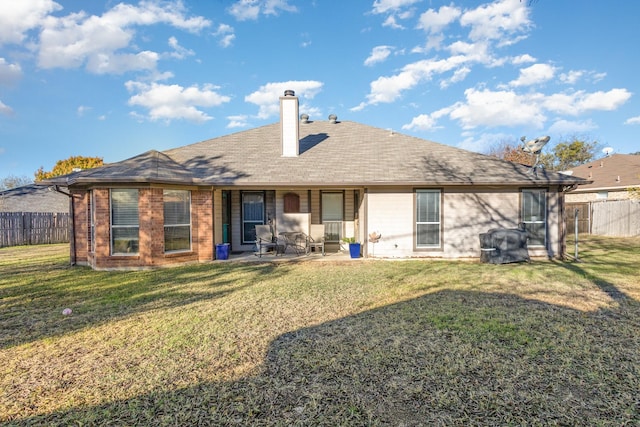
[(428, 219), (177, 220), (252, 214), (124, 221), (534, 215)]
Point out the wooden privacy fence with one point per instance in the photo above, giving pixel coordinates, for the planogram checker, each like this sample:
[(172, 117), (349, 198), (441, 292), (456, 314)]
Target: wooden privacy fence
[(605, 218), (615, 218), (33, 228)]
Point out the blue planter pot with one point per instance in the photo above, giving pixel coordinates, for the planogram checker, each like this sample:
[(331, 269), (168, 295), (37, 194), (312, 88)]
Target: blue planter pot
[(354, 250)]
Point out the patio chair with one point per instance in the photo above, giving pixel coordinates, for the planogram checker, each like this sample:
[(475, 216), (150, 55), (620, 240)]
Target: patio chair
[(265, 240), (296, 240), (316, 238)]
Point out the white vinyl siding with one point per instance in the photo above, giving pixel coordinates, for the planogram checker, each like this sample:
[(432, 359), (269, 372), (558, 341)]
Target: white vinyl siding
[(177, 220), (124, 221)]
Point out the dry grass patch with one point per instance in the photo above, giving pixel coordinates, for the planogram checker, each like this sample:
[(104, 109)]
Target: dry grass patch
[(365, 343)]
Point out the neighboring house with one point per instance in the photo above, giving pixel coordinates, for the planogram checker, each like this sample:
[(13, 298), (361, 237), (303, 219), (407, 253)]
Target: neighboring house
[(607, 206), (33, 198), (611, 178), (427, 200)]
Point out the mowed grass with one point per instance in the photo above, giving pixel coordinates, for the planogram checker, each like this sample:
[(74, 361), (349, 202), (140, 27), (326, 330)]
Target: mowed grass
[(323, 343)]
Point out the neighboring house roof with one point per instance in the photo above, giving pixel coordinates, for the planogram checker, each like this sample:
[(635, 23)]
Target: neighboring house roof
[(33, 198), (615, 172), (330, 154)]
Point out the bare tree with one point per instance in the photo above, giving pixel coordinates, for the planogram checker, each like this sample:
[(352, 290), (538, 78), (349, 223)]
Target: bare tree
[(12, 181)]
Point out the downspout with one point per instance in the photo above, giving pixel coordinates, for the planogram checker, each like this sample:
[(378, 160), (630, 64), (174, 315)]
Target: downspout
[(73, 224)]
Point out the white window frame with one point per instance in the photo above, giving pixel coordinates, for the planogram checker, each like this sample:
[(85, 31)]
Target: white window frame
[(529, 220), (418, 223), (176, 225), (124, 226)]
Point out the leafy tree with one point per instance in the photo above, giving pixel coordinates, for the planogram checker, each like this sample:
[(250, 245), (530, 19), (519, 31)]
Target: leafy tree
[(12, 181), (570, 153), (63, 167)]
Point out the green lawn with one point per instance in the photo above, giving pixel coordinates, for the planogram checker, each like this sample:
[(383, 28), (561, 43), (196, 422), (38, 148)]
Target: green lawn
[(323, 343)]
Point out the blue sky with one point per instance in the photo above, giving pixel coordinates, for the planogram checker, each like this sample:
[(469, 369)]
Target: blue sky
[(114, 79)]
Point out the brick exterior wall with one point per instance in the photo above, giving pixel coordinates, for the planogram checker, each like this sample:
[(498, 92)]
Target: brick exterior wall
[(151, 231), (80, 238)]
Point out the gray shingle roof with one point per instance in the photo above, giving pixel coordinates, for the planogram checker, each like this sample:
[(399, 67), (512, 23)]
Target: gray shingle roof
[(342, 153), (33, 198), (615, 171)]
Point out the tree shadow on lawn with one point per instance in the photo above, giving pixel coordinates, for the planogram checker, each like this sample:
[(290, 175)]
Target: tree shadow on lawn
[(447, 358), (32, 309)]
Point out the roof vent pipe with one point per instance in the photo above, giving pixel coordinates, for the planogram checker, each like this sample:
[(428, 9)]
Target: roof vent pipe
[(304, 118), (333, 118)]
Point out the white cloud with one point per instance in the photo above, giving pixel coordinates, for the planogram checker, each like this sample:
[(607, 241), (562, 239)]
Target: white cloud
[(523, 59), (571, 77), (535, 74), (179, 52), (579, 102), (391, 22), (459, 75), (388, 89), (245, 10), (497, 21), (239, 121), (170, 102), (81, 110), (424, 122), (103, 63), (5, 109), (378, 54), (9, 73), (19, 16), (391, 6), (267, 97), (433, 22), (225, 34), (483, 142), (632, 121), (98, 41), (498, 108), (487, 108), (563, 127)]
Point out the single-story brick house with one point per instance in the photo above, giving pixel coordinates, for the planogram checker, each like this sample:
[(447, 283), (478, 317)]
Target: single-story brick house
[(425, 199)]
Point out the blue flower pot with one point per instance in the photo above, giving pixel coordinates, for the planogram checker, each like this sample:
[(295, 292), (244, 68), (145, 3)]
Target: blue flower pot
[(354, 250)]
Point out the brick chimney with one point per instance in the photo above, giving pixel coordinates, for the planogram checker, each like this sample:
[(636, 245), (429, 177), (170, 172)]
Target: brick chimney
[(289, 125)]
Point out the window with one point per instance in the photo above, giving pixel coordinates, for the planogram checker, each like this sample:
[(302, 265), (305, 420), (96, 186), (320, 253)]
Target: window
[(332, 215), (534, 215), (428, 219), (124, 221), (252, 214), (177, 220)]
